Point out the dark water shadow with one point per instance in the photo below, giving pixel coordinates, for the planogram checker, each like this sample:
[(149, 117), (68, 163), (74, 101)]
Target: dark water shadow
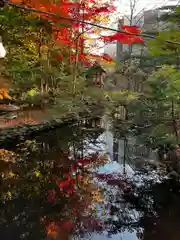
[(49, 191)]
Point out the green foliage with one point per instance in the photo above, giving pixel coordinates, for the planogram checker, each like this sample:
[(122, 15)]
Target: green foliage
[(166, 83), (85, 97), (122, 97), (31, 58), (159, 108), (159, 46), (155, 112), (20, 36), (171, 14)]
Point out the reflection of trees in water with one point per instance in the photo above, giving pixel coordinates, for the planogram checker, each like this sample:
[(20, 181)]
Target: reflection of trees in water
[(44, 192), (152, 210), (47, 195), (165, 223)]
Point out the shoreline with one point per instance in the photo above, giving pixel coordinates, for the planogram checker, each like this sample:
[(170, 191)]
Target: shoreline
[(19, 133)]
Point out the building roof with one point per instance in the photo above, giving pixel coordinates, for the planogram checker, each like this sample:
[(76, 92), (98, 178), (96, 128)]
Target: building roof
[(95, 68)]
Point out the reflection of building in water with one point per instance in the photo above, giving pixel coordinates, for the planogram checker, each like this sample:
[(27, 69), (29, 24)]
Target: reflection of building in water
[(115, 149)]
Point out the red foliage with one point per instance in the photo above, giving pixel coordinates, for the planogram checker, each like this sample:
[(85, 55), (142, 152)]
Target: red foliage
[(131, 29), (123, 37), (83, 161), (69, 34), (106, 57)]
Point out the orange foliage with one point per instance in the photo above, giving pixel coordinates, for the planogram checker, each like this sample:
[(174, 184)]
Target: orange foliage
[(4, 94)]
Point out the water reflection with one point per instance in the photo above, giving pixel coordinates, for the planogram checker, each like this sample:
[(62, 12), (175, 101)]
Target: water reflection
[(62, 185)]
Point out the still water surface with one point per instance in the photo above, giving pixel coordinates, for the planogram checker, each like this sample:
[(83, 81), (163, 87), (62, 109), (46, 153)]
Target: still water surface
[(64, 185)]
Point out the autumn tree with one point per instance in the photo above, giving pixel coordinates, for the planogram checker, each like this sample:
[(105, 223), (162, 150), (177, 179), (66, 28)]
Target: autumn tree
[(47, 54), (46, 51)]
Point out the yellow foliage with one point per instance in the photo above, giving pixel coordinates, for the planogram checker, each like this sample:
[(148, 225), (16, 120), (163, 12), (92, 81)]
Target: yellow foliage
[(11, 174), (97, 31), (9, 195), (101, 19), (109, 64), (37, 173), (89, 38), (7, 156)]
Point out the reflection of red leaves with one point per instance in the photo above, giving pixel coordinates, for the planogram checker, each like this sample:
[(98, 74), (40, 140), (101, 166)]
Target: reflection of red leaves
[(116, 182), (67, 176), (74, 167), (52, 229), (83, 161), (67, 193), (67, 225), (73, 181), (75, 211), (88, 160), (112, 180), (51, 195), (70, 190), (79, 178), (105, 177), (64, 184), (67, 185), (59, 165)]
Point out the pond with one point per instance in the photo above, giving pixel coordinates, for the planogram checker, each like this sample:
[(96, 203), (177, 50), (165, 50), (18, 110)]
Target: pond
[(65, 184)]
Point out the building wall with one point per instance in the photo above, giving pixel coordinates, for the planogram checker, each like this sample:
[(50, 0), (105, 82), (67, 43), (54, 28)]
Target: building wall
[(150, 20), (110, 49)]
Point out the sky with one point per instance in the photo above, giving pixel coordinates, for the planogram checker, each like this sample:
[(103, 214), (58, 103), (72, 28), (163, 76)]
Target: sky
[(124, 5)]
